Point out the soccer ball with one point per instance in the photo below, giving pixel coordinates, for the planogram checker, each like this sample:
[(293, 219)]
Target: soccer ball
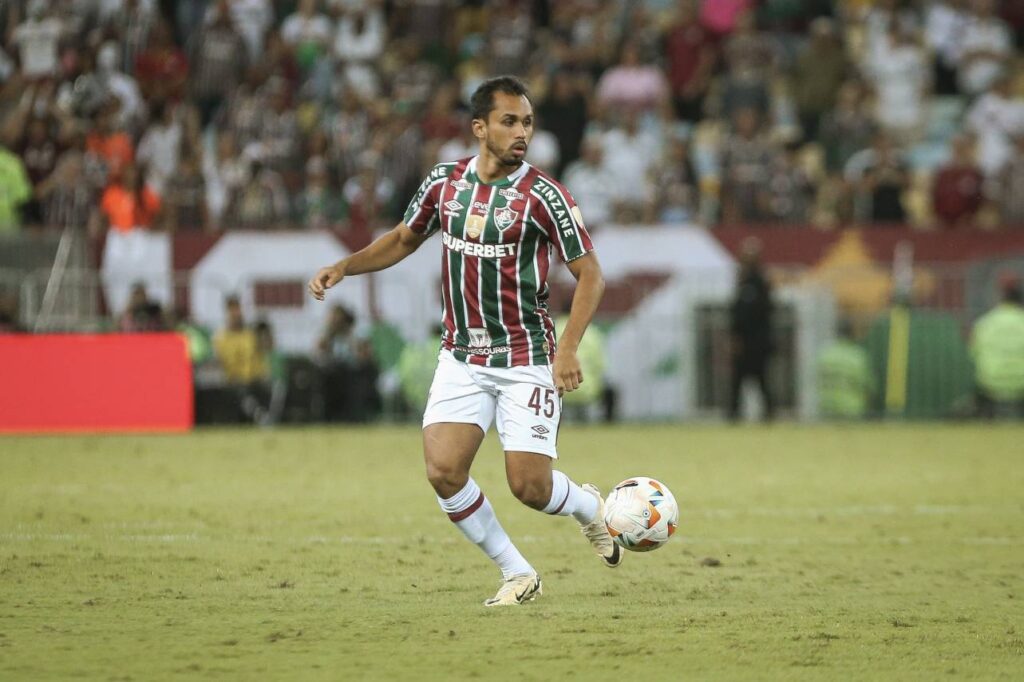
[(641, 514)]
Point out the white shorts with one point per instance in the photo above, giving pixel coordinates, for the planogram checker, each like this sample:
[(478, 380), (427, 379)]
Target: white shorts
[(523, 399)]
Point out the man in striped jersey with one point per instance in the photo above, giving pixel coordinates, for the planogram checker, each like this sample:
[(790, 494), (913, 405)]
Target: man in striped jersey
[(499, 219)]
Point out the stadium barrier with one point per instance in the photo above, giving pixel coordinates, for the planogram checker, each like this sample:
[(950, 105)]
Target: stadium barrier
[(94, 383), (664, 315)]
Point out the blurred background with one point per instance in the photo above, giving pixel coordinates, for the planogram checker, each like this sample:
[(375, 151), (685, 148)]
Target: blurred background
[(804, 209)]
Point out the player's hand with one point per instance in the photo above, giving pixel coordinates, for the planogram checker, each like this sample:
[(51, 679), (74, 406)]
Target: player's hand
[(324, 279), (566, 371)]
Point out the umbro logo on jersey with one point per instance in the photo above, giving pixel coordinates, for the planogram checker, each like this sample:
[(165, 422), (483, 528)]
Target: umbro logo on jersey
[(504, 218), (453, 206), (461, 185), (511, 195)]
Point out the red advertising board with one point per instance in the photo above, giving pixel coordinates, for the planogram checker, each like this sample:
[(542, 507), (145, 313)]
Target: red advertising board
[(95, 382)]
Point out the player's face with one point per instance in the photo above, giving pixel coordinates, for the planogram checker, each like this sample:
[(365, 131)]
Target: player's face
[(509, 128)]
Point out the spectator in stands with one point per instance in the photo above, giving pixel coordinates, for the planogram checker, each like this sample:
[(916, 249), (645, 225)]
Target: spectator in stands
[(120, 86), (997, 344), (1009, 186), (957, 188), (509, 37), (225, 173), (67, 196), (630, 152), (880, 176), (847, 129), (308, 33), (821, 69), (161, 68), (898, 71), (350, 370), (252, 19), (995, 118), (633, 83), (261, 202), (845, 380), (141, 314), (564, 113), (986, 45), (280, 139), (722, 18), (321, 205), (109, 141), (237, 349), (9, 323), (17, 189), (128, 203), (690, 60), (675, 184), (184, 196), (219, 56), (789, 191), (747, 158), (271, 390), (360, 38), (160, 145), (367, 194), (751, 331), (39, 150), (945, 23), (592, 183), (37, 39), (750, 62)]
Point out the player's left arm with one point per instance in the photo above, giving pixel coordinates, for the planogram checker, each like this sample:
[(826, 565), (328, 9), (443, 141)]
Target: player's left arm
[(567, 372)]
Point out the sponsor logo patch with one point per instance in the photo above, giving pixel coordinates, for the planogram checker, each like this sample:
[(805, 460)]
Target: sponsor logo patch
[(577, 214), (476, 249), (511, 195), (453, 206), (461, 185), (504, 218), (474, 225)]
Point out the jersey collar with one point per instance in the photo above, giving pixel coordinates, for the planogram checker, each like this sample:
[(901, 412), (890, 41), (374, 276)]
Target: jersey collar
[(503, 182)]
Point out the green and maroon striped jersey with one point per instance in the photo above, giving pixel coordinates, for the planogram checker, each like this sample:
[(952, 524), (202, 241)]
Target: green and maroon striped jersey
[(496, 241)]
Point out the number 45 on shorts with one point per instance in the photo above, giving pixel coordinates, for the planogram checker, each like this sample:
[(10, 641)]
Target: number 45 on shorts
[(548, 404)]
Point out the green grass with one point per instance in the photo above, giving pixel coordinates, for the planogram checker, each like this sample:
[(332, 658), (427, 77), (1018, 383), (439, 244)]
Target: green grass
[(874, 552)]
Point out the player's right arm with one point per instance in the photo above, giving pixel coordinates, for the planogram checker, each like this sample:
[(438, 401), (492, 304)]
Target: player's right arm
[(421, 221), (379, 255)]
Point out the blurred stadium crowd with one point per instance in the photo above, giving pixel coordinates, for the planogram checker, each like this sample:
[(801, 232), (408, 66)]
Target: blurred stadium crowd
[(210, 115), (205, 114)]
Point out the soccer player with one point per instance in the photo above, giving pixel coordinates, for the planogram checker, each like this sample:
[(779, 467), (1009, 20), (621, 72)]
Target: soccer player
[(499, 219)]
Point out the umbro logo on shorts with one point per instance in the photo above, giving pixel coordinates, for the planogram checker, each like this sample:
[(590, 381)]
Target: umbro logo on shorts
[(540, 431)]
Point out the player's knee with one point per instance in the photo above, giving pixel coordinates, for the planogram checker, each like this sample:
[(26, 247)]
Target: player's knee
[(531, 492), (445, 479)]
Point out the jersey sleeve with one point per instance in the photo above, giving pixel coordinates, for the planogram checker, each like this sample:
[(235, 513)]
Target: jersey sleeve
[(562, 220), (422, 214)]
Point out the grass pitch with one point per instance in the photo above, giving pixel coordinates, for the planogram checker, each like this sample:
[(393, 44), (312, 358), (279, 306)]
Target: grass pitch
[(860, 552)]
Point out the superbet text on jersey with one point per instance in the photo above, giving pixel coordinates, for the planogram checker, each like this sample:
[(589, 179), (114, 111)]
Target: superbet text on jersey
[(496, 241)]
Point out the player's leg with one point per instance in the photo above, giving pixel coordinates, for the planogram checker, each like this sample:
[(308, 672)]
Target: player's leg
[(528, 414), (459, 412)]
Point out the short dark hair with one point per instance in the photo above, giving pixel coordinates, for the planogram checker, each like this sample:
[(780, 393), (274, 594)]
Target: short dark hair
[(481, 104)]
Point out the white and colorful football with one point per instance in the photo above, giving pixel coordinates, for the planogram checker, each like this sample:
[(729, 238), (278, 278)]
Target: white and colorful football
[(641, 514)]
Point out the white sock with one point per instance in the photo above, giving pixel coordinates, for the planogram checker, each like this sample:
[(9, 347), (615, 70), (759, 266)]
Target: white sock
[(568, 498), (473, 514)]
